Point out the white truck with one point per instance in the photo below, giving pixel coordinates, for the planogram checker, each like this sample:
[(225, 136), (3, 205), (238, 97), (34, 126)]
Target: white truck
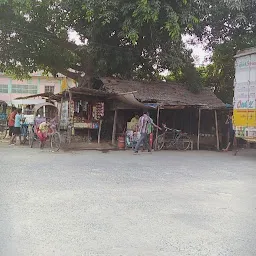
[(245, 95)]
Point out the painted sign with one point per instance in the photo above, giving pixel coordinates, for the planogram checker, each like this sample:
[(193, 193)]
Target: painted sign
[(245, 96), (245, 104), (64, 85), (64, 115)]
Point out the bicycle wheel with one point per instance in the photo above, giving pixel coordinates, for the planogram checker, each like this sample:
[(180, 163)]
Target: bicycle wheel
[(3, 131), (159, 142), (183, 142), (69, 135), (31, 136), (24, 134), (55, 141)]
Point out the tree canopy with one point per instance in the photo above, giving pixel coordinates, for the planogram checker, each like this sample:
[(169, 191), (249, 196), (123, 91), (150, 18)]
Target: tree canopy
[(220, 73), (227, 20), (135, 38), (124, 38), (230, 27)]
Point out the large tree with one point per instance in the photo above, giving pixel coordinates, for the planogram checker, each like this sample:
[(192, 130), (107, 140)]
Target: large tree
[(220, 74), (126, 38), (226, 20), (229, 27)]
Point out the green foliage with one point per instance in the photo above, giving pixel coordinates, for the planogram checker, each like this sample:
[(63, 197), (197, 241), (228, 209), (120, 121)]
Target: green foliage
[(129, 39), (229, 26), (189, 76), (220, 73), (226, 20)]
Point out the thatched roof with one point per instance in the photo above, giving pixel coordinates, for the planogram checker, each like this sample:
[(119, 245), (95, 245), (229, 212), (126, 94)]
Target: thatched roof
[(73, 90), (43, 95), (89, 92), (163, 93)]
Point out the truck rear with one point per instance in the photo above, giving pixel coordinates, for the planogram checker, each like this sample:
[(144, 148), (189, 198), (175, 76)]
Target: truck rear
[(245, 95)]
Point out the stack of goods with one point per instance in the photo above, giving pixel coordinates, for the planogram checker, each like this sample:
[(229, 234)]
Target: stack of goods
[(72, 109), (132, 138), (85, 113), (88, 124), (91, 125), (3, 116), (78, 119), (99, 110), (95, 126), (133, 125), (207, 135)]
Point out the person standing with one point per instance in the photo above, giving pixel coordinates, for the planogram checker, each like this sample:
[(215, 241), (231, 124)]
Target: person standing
[(11, 121), (231, 132), (17, 127), (144, 122)]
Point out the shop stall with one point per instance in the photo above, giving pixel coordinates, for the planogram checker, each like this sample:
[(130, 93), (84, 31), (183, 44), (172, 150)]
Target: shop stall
[(132, 132), (81, 114)]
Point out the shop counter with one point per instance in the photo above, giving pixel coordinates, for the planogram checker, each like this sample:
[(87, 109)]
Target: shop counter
[(83, 125)]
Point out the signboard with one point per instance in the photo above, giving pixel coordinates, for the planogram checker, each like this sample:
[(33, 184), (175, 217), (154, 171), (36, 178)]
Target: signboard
[(64, 85), (245, 96), (64, 115)]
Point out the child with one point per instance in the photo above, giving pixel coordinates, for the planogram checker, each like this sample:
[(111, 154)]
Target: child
[(42, 133), (16, 128), (11, 121)]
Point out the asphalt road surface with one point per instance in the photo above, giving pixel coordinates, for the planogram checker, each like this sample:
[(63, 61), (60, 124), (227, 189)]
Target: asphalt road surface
[(91, 203)]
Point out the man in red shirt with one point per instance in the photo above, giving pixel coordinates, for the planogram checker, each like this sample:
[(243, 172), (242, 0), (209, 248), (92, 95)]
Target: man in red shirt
[(11, 121)]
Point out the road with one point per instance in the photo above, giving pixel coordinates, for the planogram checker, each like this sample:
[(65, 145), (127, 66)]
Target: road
[(93, 203)]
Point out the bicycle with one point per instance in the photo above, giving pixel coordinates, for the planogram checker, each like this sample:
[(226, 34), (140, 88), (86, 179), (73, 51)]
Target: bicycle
[(3, 120), (52, 134), (4, 129), (172, 138), (24, 133)]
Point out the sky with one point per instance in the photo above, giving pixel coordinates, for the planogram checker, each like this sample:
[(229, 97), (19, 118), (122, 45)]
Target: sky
[(201, 57)]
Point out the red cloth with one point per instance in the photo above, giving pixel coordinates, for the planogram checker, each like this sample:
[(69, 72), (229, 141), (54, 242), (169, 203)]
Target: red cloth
[(11, 120), (41, 135)]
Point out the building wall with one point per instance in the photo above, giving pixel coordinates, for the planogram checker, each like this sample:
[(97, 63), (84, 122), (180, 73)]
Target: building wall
[(10, 89)]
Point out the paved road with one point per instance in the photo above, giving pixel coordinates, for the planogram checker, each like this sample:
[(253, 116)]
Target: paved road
[(91, 203)]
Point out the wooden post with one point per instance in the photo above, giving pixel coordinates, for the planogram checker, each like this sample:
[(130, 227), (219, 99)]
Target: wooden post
[(190, 121), (61, 105), (70, 121), (217, 130), (44, 111), (157, 122), (89, 135), (69, 109), (198, 132), (114, 128), (99, 132), (174, 119)]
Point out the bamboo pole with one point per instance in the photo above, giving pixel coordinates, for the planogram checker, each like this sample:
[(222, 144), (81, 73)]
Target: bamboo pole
[(217, 130), (157, 122), (88, 135), (69, 108), (99, 132), (114, 128), (174, 119), (61, 106), (44, 111), (198, 132), (70, 122)]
